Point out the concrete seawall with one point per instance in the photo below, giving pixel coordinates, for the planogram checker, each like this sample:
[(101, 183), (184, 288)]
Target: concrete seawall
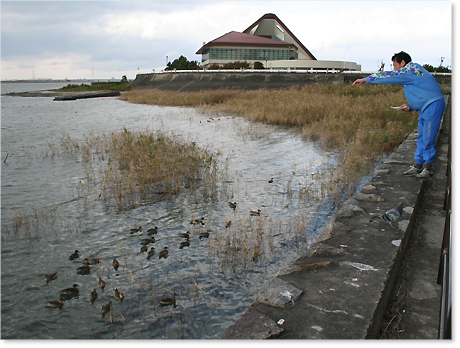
[(196, 81)]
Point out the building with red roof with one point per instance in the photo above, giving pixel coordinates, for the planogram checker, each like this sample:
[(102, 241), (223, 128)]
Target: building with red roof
[(269, 41)]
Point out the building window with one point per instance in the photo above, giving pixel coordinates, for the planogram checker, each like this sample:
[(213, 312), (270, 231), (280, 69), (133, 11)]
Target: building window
[(249, 54)]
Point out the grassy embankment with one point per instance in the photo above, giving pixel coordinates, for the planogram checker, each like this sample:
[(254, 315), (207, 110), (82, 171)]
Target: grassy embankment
[(358, 121), (111, 86)]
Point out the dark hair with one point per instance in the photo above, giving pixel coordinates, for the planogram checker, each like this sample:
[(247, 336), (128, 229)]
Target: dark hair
[(401, 56)]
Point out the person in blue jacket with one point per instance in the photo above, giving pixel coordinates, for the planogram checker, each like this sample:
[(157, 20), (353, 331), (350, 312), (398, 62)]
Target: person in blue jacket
[(424, 94)]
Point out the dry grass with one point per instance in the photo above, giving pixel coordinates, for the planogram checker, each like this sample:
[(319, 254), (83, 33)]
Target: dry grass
[(130, 165), (358, 121)]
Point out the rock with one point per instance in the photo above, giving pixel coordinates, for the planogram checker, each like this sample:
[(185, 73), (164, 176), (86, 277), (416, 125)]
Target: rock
[(252, 325), (320, 249), (334, 228), (279, 293), (348, 209), (368, 197)]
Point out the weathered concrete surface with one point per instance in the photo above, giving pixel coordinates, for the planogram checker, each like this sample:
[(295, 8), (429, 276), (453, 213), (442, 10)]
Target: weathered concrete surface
[(347, 277), (196, 81)]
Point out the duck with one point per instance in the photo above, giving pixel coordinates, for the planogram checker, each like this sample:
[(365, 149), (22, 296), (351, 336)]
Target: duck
[(118, 295), (255, 213), (84, 269), (168, 301), (55, 304), (197, 221), (71, 291), (151, 252), (144, 248), (228, 224), (91, 262), (74, 256), (232, 205), (151, 231), (101, 283), (106, 308), (184, 234), (93, 295), (115, 264), (164, 253), (204, 234), (50, 277), (148, 240), (184, 244), (134, 230)]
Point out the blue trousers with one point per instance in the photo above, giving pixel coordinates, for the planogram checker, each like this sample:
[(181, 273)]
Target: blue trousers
[(429, 121)]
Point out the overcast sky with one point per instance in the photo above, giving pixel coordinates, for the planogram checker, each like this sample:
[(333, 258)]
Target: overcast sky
[(105, 39)]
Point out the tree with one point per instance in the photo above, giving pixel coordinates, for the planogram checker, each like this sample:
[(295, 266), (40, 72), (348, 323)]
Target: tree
[(182, 63), (259, 65), (439, 69), (124, 79)]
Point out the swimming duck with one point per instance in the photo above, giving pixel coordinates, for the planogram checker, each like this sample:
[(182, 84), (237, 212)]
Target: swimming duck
[(115, 264), (118, 295), (134, 230), (270, 181), (106, 308), (101, 283), (56, 304), (71, 291), (197, 221), (50, 277), (184, 244), (84, 269), (168, 301), (232, 205), (74, 256), (184, 234), (151, 231), (148, 240), (93, 295), (228, 224), (255, 213), (164, 253), (91, 262), (144, 248), (204, 234), (151, 252)]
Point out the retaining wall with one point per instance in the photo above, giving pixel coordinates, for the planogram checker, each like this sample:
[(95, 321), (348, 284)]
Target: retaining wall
[(196, 81)]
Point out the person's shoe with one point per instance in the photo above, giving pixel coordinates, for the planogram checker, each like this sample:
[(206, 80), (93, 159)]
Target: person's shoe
[(412, 171), (425, 174)]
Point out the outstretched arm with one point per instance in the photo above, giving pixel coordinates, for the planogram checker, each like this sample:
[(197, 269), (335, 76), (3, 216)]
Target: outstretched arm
[(359, 82)]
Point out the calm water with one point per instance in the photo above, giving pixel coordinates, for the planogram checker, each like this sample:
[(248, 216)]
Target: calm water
[(215, 278)]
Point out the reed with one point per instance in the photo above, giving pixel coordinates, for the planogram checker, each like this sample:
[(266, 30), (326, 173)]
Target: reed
[(357, 121), (130, 166)]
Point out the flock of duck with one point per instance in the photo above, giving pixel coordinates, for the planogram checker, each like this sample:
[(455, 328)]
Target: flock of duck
[(68, 293)]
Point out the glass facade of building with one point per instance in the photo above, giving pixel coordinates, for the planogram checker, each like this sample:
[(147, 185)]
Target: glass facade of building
[(237, 54)]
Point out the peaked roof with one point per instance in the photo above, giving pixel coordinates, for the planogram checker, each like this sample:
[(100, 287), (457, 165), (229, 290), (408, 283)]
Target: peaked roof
[(286, 29), (235, 38)]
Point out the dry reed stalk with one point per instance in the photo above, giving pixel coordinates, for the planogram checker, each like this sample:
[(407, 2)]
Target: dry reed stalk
[(357, 121), (132, 165)]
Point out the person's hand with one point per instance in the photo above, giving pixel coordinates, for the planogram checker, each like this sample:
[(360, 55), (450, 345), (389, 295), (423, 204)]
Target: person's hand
[(359, 82), (405, 108)]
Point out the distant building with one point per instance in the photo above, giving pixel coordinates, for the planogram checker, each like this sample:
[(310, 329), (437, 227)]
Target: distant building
[(267, 41)]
